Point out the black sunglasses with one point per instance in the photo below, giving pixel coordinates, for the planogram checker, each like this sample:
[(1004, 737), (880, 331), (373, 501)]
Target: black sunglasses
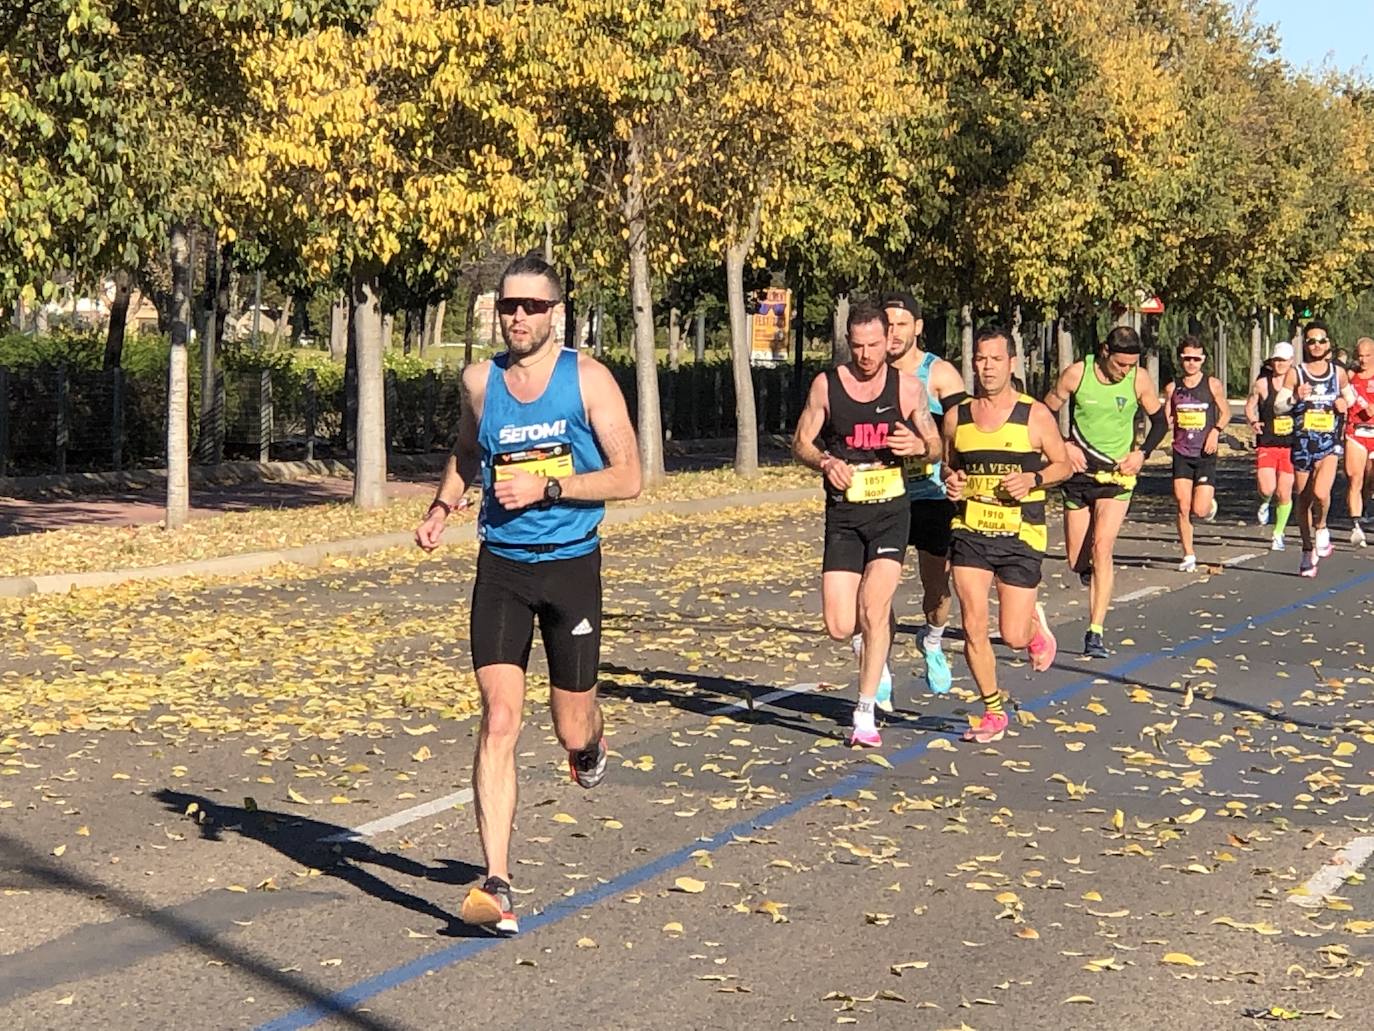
[(1318, 340), (1190, 358), (532, 305)]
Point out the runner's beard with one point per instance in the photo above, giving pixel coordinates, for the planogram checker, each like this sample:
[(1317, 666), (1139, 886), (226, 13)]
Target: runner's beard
[(525, 348)]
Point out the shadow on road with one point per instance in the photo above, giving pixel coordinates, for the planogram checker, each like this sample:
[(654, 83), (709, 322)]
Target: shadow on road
[(40, 869), (302, 840)]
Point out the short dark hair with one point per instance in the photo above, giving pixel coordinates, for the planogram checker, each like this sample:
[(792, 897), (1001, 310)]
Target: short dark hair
[(863, 313), (991, 332), (1316, 324), (1122, 340), (904, 300), (1188, 342), (533, 265)]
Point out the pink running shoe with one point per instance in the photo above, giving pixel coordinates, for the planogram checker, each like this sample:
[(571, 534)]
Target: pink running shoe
[(1308, 566), (986, 728), (865, 738), (1043, 646)]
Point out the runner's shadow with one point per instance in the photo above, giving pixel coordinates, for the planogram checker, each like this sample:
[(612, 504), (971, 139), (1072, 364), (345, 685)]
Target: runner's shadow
[(303, 841), (66, 878), (1232, 704)]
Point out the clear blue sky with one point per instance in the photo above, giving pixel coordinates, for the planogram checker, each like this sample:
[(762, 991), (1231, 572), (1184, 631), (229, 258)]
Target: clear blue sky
[(1314, 30)]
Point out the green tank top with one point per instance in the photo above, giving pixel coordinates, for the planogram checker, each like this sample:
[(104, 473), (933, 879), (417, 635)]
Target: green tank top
[(1102, 416)]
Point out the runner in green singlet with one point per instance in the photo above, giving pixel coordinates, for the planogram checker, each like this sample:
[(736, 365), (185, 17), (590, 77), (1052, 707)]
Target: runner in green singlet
[(1103, 392)]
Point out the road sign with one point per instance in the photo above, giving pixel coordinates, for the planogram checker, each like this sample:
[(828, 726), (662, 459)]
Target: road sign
[(1153, 306)]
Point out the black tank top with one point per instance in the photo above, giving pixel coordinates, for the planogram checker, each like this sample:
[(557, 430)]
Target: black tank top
[(856, 431), (1275, 430)]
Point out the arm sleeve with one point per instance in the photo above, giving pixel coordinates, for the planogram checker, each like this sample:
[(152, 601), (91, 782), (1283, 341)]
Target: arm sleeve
[(1159, 426)]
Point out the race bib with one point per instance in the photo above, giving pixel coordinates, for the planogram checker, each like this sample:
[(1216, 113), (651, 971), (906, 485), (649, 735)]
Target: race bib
[(1283, 425), (917, 468), (876, 483), (983, 517), (1191, 418), (554, 461), (1319, 421), (1111, 476)]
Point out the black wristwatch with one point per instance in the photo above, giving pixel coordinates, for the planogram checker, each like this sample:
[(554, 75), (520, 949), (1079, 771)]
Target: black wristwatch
[(553, 490), (1038, 480)]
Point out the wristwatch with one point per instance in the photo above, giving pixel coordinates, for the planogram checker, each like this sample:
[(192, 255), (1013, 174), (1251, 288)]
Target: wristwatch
[(553, 490), (1038, 480)]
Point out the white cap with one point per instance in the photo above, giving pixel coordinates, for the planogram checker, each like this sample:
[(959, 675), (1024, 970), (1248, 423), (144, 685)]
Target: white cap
[(1283, 350)]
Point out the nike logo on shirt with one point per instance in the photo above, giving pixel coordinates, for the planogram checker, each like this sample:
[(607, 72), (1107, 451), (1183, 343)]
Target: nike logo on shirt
[(881, 410)]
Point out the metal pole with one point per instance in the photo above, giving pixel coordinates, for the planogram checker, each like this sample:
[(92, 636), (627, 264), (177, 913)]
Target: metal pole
[(257, 310)]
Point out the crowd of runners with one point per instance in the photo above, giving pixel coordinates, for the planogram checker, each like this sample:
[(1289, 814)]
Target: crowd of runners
[(911, 458)]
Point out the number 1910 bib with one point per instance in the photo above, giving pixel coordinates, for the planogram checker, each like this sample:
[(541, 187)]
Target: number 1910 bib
[(875, 483), (553, 461), (984, 517)]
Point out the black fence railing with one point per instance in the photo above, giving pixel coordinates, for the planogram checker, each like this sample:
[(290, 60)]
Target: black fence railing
[(59, 419)]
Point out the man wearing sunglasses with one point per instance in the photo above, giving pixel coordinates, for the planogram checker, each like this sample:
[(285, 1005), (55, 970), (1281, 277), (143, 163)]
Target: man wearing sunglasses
[(1317, 392), (547, 432), (1103, 391), (932, 513)]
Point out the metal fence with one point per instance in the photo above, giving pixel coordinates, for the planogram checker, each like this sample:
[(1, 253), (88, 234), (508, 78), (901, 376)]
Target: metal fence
[(58, 419)]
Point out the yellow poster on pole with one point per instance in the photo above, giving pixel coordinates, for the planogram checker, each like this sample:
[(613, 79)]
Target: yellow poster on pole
[(770, 322)]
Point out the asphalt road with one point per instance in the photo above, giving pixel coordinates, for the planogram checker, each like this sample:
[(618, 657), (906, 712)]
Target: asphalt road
[(179, 768)]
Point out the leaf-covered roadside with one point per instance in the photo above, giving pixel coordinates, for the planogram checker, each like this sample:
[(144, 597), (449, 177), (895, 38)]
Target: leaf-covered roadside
[(92, 548)]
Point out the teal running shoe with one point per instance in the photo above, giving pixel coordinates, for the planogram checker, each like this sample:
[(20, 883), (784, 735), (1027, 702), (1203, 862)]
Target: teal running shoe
[(937, 670)]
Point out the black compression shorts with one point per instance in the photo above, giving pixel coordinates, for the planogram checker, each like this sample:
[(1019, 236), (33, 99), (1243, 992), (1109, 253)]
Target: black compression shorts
[(856, 535), (1202, 469), (930, 526), (1010, 559), (564, 595)]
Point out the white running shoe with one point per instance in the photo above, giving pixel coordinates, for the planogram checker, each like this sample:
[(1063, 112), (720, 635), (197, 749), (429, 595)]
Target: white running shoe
[(1324, 545), (1276, 543), (1357, 536), (1263, 513), (1308, 566), (1188, 565)]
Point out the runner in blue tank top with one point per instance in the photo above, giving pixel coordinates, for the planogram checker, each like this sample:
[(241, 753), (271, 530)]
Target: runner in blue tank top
[(931, 512), (548, 433), (1317, 392)]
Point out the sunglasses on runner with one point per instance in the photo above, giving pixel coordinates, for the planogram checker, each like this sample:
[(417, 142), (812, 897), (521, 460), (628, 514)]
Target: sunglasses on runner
[(1190, 358), (1318, 340), (532, 305)]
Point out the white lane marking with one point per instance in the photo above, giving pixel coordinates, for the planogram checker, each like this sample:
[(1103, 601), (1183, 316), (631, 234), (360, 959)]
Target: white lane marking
[(405, 816), (1144, 592), (432, 808), (1241, 558), (1330, 877), (763, 699)]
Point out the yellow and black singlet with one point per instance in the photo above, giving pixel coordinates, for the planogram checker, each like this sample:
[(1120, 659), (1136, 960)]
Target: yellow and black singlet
[(987, 456)]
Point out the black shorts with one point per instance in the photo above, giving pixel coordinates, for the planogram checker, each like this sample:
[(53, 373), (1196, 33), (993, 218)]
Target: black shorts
[(1082, 489), (930, 526), (563, 594), (1010, 559), (856, 535), (1202, 470)]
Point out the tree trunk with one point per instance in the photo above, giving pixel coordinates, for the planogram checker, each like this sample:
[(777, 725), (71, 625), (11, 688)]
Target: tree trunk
[(178, 473), (433, 336), (1018, 355), (119, 319), (966, 341), (839, 331), (279, 330), (599, 330), (701, 337), (369, 471), (1256, 345), (1221, 363), (746, 418), (207, 440), (646, 360), (470, 327), (350, 425), (413, 334), (674, 338), (338, 327), (388, 331), (222, 292), (1065, 345)]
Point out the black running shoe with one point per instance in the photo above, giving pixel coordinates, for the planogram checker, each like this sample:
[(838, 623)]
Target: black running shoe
[(1093, 647), (588, 767), (1086, 578), (490, 908)]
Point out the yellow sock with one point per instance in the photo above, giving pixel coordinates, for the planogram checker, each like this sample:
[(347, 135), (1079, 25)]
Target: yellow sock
[(1095, 628), (993, 704)]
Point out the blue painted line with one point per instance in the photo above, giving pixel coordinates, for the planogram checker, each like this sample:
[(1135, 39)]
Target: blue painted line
[(351, 997)]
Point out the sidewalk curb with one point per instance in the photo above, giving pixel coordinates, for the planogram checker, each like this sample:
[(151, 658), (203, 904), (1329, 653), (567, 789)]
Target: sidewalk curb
[(318, 554)]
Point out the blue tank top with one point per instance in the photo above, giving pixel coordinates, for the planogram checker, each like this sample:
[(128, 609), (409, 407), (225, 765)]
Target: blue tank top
[(923, 482), (550, 436), (1316, 417)]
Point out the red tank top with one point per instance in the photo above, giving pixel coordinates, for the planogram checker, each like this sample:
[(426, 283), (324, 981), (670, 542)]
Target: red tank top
[(1359, 420)]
